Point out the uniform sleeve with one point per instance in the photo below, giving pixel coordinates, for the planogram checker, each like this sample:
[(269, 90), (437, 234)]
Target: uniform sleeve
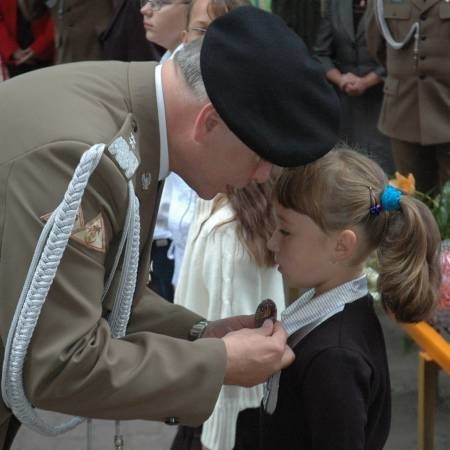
[(153, 313), (335, 392), (73, 365), (376, 44)]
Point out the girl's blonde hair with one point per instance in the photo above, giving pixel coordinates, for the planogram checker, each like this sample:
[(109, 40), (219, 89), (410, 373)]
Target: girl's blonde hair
[(254, 215), (337, 192)]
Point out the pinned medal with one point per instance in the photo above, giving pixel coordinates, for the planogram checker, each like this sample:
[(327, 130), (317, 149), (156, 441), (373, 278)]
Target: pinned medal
[(265, 310)]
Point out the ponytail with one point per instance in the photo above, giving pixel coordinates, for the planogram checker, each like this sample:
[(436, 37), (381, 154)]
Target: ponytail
[(408, 257)]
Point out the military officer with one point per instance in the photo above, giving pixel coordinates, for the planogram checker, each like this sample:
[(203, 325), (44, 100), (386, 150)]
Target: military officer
[(411, 38), (214, 124), (78, 26)]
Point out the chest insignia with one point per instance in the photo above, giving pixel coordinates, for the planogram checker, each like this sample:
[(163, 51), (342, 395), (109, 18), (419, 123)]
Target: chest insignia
[(146, 180), (124, 155)]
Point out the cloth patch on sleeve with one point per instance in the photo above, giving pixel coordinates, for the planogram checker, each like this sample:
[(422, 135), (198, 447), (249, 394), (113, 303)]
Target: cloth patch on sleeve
[(90, 235)]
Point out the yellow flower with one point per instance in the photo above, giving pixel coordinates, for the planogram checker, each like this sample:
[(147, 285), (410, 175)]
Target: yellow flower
[(405, 184)]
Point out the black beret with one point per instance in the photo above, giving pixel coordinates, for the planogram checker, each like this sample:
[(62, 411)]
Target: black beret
[(267, 88)]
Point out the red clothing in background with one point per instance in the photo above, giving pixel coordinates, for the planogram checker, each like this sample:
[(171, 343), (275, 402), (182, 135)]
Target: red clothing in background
[(41, 28)]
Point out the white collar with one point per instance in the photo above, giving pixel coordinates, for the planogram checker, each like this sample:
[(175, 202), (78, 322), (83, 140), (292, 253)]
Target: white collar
[(163, 144), (308, 309), (167, 55)]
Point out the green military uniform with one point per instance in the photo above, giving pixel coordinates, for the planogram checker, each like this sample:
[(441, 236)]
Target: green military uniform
[(78, 25), (73, 364), (416, 104)]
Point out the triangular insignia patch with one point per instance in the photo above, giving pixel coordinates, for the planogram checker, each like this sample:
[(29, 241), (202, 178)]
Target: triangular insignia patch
[(79, 219), (92, 235)]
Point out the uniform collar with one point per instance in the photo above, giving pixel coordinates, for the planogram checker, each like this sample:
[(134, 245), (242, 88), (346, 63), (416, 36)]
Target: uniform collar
[(143, 107), (163, 143)]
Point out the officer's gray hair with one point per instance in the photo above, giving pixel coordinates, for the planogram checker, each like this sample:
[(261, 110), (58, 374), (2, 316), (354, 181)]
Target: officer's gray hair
[(188, 60)]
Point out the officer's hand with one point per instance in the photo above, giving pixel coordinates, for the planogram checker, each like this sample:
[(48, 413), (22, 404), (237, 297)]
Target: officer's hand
[(219, 328), (253, 355)]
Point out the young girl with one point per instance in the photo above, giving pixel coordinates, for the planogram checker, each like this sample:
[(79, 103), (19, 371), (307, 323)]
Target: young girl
[(331, 215), (227, 270)]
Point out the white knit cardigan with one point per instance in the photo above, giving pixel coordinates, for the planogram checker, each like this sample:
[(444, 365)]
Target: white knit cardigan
[(218, 279)]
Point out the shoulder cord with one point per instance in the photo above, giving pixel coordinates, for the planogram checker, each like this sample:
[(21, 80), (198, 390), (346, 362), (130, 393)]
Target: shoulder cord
[(397, 45), (47, 256)]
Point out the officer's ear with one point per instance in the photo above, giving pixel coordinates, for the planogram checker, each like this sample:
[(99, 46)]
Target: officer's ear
[(206, 122)]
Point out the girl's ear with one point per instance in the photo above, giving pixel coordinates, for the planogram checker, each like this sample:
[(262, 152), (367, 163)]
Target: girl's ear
[(184, 35), (345, 245)]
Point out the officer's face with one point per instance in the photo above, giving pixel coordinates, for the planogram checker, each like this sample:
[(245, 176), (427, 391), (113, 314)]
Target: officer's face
[(229, 162)]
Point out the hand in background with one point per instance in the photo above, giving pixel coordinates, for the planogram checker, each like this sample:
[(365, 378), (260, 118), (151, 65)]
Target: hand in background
[(24, 57), (18, 54), (356, 86), (347, 79), (253, 355)]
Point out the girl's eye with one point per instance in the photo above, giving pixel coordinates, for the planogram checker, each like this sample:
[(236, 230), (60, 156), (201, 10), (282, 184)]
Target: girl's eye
[(284, 232)]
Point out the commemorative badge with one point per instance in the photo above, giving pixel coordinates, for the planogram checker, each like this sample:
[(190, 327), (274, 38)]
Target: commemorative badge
[(267, 309)]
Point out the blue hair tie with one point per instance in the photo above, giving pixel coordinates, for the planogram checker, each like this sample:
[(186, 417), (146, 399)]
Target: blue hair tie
[(390, 198)]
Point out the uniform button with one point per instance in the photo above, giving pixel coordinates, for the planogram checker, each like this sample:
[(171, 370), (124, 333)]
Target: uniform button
[(422, 57), (422, 76), (171, 421), (423, 38), (423, 16)]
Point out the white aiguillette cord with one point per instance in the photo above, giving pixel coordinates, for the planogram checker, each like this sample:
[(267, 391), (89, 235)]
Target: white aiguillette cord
[(383, 26), (47, 256)]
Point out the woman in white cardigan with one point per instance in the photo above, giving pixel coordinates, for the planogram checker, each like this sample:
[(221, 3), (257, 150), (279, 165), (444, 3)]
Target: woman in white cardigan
[(227, 270)]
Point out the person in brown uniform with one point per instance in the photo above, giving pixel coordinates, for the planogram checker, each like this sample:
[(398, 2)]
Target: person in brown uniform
[(103, 135), (411, 38), (78, 25)]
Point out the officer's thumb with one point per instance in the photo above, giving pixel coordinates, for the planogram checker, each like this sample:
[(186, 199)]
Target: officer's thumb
[(267, 328)]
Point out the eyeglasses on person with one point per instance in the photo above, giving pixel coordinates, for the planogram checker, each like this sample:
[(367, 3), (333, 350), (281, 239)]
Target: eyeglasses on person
[(156, 5)]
